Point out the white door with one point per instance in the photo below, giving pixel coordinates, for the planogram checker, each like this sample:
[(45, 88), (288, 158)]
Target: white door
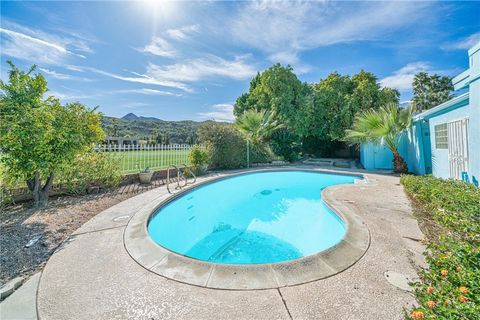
[(458, 147)]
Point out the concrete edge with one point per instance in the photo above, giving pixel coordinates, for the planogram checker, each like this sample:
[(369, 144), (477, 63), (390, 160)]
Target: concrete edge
[(171, 265)]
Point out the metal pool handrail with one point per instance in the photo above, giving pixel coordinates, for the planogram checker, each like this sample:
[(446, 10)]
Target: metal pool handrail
[(168, 177), (190, 172)]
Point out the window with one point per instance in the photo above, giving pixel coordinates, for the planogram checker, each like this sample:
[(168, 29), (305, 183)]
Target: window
[(441, 136)]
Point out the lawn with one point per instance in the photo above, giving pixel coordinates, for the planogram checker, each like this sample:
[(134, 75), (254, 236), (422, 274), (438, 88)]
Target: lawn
[(137, 160)]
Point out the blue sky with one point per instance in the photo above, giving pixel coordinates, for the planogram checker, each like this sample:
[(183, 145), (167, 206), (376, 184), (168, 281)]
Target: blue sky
[(190, 60)]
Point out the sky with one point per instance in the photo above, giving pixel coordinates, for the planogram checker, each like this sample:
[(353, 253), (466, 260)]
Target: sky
[(191, 60)]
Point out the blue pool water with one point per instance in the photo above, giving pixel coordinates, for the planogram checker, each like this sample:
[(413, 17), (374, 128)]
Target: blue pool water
[(262, 217)]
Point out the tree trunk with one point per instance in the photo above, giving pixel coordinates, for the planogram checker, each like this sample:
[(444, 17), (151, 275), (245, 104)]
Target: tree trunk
[(399, 164), (39, 193)]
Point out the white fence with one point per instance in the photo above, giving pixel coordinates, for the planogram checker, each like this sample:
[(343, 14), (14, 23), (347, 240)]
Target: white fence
[(134, 158)]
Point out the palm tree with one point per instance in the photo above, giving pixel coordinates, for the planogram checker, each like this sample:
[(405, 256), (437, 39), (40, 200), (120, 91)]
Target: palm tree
[(383, 126), (258, 126)]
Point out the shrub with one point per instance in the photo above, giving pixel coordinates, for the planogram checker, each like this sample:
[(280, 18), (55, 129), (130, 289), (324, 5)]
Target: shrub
[(261, 153), (227, 147), (286, 144), (198, 157), (90, 169), (450, 288)]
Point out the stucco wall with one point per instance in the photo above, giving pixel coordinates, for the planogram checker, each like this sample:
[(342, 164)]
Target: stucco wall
[(440, 162)]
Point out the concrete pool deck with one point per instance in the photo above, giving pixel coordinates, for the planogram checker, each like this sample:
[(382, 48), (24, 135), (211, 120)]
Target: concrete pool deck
[(92, 276)]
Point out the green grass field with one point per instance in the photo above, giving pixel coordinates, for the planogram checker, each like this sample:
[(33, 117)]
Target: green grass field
[(137, 160)]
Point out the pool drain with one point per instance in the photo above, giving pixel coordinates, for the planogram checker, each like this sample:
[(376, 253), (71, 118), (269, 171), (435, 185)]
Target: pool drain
[(266, 192)]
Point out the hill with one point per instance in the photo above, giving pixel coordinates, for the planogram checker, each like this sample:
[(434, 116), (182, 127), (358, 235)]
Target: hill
[(153, 129)]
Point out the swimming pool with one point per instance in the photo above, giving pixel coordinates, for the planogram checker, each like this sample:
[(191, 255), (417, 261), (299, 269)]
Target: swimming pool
[(253, 218)]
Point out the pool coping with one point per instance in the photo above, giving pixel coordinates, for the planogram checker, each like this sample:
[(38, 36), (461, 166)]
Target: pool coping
[(323, 264)]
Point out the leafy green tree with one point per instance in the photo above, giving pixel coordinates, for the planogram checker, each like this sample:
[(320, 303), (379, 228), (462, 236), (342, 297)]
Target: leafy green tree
[(383, 126), (258, 126), (430, 90), (38, 135), (277, 89)]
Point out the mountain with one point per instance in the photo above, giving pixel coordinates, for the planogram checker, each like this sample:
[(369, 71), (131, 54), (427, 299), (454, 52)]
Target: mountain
[(153, 129), (132, 116)]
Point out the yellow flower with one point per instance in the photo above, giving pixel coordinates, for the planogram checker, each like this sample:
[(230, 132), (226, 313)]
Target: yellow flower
[(431, 304), (463, 290), (417, 315), (430, 290), (444, 273), (462, 299)]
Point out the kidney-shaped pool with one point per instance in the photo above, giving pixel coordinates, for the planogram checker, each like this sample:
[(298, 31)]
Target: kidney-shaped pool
[(262, 217)]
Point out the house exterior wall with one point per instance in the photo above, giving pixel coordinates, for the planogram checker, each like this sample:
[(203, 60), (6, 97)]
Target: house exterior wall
[(474, 129), (440, 158), (418, 145)]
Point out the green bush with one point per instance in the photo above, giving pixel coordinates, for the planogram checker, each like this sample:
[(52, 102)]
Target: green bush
[(261, 153), (450, 288), (286, 144), (227, 147), (92, 169), (198, 157)]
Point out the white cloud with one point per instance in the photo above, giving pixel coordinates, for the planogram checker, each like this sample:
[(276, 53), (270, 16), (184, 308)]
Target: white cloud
[(463, 44), (150, 92), (182, 33), (62, 76), (285, 29), (202, 68), (402, 79), (139, 78), (160, 45), (56, 75), (68, 97), (220, 112), (39, 47)]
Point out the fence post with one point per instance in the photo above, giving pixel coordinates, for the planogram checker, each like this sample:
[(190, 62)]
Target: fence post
[(248, 154)]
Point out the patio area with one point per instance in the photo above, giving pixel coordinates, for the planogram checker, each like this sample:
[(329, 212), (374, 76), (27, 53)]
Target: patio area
[(92, 275)]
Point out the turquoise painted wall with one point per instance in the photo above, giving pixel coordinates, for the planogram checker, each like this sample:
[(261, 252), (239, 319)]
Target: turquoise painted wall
[(417, 145)]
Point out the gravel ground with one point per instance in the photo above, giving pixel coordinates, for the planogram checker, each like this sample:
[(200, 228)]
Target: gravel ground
[(19, 224)]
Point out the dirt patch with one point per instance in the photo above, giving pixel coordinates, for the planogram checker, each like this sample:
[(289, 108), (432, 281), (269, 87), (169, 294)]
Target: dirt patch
[(20, 224), (430, 228)]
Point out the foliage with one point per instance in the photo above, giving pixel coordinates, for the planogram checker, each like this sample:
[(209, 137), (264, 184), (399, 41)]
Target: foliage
[(430, 90), (257, 126), (278, 90), (286, 144), (198, 157), (383, 126), (450, 288), (40, 135), (261, 153), (317, 114), (89, 169), (337, 99), (226, 145)]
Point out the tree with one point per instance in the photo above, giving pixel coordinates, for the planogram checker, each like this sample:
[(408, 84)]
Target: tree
[(383, 126), (258, 126), (277, 89), (38, 135), (430, 90)]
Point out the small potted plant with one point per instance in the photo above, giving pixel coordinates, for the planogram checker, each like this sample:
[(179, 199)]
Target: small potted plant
[(145, 176)]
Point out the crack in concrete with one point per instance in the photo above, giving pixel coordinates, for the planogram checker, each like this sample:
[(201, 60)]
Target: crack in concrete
[(285, 304), (93, 231)]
